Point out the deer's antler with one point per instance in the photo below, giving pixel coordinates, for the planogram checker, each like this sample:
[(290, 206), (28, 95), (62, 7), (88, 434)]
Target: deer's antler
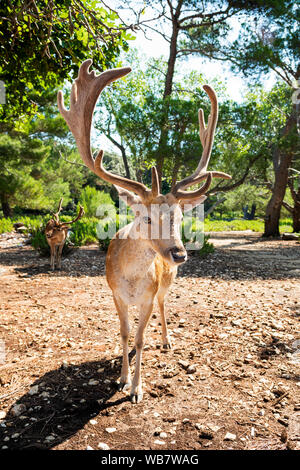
[(206, 137), (84, 94), (80, 214), (58, 211)]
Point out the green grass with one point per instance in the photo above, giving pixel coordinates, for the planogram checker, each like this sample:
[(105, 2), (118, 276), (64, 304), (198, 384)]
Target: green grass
[(241, 225)]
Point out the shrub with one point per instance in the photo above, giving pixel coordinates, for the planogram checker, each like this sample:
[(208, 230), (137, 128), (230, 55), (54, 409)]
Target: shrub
[(6, 225), (91, 199)]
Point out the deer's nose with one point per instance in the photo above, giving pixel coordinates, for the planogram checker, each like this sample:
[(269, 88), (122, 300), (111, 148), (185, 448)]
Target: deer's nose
[(178, 254)]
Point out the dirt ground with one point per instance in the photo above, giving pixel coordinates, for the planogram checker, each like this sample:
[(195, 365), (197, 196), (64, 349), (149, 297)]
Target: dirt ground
[(231, 381)]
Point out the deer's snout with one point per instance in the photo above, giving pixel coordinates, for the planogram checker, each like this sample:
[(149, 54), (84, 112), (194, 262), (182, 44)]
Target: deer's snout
[(179, 255)]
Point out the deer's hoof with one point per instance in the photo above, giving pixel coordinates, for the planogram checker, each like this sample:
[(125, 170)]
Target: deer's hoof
[(136, 397), (123, 386), (167, 345)]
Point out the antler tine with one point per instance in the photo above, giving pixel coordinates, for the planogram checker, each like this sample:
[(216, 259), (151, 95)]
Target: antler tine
[(206, 134), (80, 214), (155, 182), (58, 210), (84, 94)]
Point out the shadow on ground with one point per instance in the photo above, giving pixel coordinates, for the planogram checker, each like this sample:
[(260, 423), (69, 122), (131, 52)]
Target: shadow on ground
[(65, 401)]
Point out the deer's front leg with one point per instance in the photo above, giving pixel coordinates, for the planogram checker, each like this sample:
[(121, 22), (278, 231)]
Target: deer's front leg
[(122, 309), (52, 258), (136, 393), (165, 336)]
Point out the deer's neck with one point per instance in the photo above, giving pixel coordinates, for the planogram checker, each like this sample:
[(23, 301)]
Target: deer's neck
[(137, 258)]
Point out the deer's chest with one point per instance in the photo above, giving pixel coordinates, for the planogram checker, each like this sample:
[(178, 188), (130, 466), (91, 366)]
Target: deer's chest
[(134, 289)]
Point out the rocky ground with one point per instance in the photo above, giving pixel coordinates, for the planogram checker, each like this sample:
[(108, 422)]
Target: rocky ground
[(231, 381)]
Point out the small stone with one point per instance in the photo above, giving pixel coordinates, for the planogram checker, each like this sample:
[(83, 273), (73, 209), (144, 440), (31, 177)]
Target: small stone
[(103, 446), (93, 421), (157, 431), (110, 430), (15, 436), (17, 410), (163, 435), (89, 448), (158, 442), (191, 369), (93, 382), (205, 432), (33, 390), (229, 437), (2, 414), (183, 364)]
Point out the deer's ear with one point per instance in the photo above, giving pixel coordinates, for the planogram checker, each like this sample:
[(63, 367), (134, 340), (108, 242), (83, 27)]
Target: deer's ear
[(127, 196), (188, 204)]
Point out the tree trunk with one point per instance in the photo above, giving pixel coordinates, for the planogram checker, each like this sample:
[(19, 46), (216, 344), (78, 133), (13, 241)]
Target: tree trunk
[(7, 212), (274, 205), (281, 162), (167, 92), (296, 217)]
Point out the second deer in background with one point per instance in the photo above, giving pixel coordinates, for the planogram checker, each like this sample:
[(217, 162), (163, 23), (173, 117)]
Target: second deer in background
[(56, 234)]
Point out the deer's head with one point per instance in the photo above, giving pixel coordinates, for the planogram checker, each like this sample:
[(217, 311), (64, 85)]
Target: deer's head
[(55, 227), (157, 217)]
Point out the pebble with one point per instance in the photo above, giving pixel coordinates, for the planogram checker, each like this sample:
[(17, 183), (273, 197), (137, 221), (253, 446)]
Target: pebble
[(103, 446), (17, 410), (158, 442), (93, 421), (110, 430), (183, 364), (33, 390), (205, 432), (191, 369), (93, 382), (229, 437), (2, 414)]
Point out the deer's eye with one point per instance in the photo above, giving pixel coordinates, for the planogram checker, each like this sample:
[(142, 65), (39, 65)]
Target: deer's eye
[(147, 220)]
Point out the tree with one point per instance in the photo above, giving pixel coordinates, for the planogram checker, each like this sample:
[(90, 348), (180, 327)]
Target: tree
[(267, 43), (135, 110), (14, 178), (43, 42), (182, 18)]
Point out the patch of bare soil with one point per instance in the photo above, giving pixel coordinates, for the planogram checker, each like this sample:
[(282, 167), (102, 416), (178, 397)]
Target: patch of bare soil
[(231, 380)]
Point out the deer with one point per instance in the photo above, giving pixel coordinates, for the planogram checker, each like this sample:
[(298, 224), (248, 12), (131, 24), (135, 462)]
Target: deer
[(56, 233), (139, 267)]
